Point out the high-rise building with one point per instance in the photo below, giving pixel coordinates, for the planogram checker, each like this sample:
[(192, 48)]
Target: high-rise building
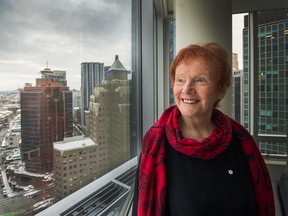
[(237, 95), (92, 74), (47, 73), (235, 61), (76, 98), (74, 164), (237, 76), (110, 119), (272, 77), (46, 117)]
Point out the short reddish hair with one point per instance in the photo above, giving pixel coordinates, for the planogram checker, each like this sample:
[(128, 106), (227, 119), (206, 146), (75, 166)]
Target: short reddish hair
[(212, 53)]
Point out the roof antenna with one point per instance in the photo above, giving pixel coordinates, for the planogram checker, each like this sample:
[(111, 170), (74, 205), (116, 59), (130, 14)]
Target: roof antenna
[(46, 64)]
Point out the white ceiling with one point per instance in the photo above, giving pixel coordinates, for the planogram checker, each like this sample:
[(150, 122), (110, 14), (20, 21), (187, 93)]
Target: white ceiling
[(238, 6)]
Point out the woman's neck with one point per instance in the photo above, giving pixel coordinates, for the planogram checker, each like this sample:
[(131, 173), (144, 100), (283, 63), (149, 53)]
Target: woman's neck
[(196, 129)]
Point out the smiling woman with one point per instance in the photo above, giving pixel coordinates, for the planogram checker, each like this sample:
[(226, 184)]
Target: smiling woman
[(195, 159)]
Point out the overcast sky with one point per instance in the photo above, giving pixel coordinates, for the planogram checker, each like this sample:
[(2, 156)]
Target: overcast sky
[(63, 32), (238, 25), (66, 33)]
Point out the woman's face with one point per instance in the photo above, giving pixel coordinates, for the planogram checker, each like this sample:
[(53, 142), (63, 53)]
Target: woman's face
[(194, 89)]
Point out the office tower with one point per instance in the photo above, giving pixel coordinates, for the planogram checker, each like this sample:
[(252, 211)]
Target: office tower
[(235, 61), (47, 73), (92, 74), (46, 117), (110, 119), (237, 78), (76, 98), (74, 164), (272, 77), (237, 92)]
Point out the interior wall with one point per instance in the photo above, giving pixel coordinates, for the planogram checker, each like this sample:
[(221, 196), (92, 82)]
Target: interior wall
[(275, 171)]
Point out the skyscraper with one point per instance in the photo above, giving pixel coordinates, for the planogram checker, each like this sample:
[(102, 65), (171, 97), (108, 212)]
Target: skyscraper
[(92, 74), (47, 73), (46, 117), (110, 119), (237, 95), (272, 77)]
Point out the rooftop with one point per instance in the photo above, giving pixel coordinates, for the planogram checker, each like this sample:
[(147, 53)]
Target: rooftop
[(71, 143)]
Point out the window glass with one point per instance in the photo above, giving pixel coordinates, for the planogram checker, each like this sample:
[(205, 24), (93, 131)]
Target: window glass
[(240, 85), (68, 96), (270, 98), (172, 53), (273, 24)]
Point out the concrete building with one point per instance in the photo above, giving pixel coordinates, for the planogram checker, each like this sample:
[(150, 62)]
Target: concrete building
[(13, 137), (235, 65), (92, 74), (75, 164), (46, 117), (110, 119), (76, 97), (5, 117)]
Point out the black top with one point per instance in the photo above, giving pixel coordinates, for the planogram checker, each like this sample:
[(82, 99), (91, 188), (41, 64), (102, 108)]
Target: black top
[(219, 186)]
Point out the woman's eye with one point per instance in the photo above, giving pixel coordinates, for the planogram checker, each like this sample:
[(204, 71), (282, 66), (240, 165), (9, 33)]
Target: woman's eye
[(179, 80), (200, 79)]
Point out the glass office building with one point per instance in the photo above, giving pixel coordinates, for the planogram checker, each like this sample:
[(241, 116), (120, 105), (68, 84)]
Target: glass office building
[(272, 78)]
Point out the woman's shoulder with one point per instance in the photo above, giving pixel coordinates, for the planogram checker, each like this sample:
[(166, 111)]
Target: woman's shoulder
[(153, 140), (155, 137), (240, 130)]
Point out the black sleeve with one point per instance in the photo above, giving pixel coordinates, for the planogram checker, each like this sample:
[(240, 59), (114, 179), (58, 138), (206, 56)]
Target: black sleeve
[(136, 185)]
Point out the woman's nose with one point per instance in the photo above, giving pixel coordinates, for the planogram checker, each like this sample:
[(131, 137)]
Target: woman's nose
[(188, 88)]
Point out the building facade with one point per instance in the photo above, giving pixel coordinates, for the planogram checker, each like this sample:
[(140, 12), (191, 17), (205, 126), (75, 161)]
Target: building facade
[(74, 165), (46, 117), (59, 75), (92, 74), (272, 77), (76, 97), (110, 119), (237, 95)]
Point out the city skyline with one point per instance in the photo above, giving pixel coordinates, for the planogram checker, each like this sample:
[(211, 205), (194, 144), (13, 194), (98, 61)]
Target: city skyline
[(64, 34)]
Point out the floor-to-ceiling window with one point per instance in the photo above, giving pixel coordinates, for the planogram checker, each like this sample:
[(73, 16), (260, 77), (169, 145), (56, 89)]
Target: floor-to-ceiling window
[(263, 79), (94, 46), (272, 79)]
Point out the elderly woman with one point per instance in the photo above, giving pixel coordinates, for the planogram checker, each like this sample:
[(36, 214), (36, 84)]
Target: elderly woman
[(196, 160)]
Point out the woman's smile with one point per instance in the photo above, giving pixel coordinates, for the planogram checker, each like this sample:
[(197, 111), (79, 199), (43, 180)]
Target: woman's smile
[(190, 101)]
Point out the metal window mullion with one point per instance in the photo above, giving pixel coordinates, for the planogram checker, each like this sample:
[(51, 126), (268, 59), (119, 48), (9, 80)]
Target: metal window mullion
[(253, 75)]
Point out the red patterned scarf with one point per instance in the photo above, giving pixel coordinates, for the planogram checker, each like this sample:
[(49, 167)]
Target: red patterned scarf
[(152, 181)]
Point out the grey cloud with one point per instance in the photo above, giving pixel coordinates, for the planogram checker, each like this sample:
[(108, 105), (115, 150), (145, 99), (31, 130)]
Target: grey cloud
[(64, 32)]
